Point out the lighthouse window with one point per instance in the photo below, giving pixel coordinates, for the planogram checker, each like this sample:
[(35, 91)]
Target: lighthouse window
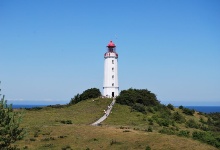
[(112, 84), (112, 61), (112, 76), (112, 69)]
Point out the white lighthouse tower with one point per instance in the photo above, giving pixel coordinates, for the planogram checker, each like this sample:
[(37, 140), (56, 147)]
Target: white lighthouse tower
[(110, 85)]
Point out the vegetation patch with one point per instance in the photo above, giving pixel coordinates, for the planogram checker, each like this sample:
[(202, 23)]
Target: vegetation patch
[(67, 147), (112, 142), (87, 94), (126, 131), (10, 130), (147, 147), (48, 145), (188, 111), (207, 137), (66, 121), (169, 131), (34, 108), (184, 133)]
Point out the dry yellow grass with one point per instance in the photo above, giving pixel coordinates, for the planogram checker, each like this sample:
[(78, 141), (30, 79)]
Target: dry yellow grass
[(86, 136)]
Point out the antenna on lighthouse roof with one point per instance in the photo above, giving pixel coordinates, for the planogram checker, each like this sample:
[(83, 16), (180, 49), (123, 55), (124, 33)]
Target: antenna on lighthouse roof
[(116, 38)]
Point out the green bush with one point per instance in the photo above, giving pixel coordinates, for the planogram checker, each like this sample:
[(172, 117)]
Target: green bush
[(87, 94), (143, 96), (114, 142), (177, 117), (188, 111), (207, 137), (170, 106), (150, 129), (34, 108), (139, 107), (32, 139), (163, 122), (150, 109), (184, 133), (147, 147), (50, 145), (181, 107), (150, 121), (67, 147), (191, 123), (169, 131), (66, 121)]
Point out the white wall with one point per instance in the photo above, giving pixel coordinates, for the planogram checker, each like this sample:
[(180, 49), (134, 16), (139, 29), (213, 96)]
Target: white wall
[(108, 88)]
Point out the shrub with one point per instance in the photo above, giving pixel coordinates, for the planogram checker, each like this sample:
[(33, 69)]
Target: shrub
[(66, 147), (32, 139), (150, 129), (191, 123), (170, 106), (176, 116), (206, 137), (48, 145), (57, 106), (143, 96), (34, 108), (163, 122), (87, 94), (113, 142), (188, 111), (184, 133), (150, 121), (139, 107), (45, 139), (147, 147), (169, 131), (62, 136), (66, 121), (150, 109), (181, 107), (126, 131)]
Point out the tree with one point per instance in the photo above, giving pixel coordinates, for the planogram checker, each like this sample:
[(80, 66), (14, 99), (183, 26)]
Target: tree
[(9, 126), (142, 96), (170, 106), (90, 93), (87, 94)]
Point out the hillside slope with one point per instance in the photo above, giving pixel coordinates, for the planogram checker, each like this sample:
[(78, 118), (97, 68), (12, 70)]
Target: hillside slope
[(69, 128)]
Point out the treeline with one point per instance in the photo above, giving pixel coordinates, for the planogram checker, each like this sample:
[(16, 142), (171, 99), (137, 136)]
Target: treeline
[(87, 94)]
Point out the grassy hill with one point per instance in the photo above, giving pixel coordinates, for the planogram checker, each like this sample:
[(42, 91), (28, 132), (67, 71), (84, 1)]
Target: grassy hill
[(68, 127)]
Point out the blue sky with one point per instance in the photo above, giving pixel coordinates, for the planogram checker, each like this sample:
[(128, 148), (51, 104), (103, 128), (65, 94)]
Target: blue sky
[(51, 50)]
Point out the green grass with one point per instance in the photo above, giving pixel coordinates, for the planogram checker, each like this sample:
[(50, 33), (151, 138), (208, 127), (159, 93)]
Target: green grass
[(45, 130)]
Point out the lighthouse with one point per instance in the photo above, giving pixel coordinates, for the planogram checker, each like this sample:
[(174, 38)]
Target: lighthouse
[(110, 85)]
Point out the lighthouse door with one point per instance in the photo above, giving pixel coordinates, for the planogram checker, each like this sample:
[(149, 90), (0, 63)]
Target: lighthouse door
[(113, 94)]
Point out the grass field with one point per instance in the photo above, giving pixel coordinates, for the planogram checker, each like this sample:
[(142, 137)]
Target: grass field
[(123, 129)]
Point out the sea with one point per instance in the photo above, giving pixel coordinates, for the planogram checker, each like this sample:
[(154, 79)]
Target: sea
[(204, 109)]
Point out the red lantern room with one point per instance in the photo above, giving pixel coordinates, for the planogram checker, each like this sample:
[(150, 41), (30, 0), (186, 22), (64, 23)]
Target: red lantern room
[(111, 47)]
